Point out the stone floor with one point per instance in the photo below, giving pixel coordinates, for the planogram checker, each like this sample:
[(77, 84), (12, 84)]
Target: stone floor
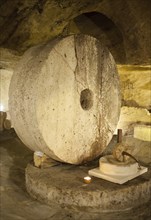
[(16, 204)]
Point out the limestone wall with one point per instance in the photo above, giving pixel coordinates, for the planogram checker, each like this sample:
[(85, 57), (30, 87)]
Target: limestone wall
[(5, 78), (136, 96), (24, 24), (135, 85), (130, 116)]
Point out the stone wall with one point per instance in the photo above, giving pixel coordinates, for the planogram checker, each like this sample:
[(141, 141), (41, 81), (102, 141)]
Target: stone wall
[(30, 22), (135, 85), (5, 78), (136, 96)]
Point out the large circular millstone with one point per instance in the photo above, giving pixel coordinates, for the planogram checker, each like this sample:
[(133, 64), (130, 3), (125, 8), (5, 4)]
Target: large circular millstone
[(64, 98)]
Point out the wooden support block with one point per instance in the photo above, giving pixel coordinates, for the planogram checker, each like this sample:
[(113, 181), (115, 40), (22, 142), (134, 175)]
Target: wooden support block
[(41, 160)]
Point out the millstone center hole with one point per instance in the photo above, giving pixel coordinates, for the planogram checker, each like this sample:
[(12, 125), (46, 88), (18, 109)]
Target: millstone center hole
[(86, 99)]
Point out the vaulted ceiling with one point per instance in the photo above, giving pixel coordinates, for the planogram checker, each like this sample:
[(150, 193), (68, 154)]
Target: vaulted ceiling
[(124, 26)]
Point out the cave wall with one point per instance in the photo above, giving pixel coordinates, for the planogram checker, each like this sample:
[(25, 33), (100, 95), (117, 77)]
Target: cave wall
[(5, 78), (37, 21), (136, 96)]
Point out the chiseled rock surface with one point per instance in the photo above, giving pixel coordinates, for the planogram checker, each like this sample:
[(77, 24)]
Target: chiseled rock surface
[(34, 22), (142, 132), (65, 99), (5, 78), (131, 116), (8, 59), (64, 185), (135, 85)]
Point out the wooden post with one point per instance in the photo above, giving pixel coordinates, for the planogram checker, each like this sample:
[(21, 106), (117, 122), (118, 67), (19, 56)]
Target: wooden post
[(119, 136), (3, 116)]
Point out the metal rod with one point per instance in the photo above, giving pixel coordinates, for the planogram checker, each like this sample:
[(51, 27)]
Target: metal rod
[(127, 154)]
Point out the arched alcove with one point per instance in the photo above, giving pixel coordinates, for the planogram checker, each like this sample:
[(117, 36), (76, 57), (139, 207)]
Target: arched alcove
[(103, 28)]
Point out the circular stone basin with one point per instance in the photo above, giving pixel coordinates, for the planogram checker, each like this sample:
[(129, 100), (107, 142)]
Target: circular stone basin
[(64, 185)]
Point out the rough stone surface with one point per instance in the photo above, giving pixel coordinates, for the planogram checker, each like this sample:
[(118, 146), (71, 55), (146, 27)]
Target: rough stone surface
[(8, 59), (5, 78), (62, 104), (34, 22), (142, 132), (64, 185), (135, 85), (131, 116)]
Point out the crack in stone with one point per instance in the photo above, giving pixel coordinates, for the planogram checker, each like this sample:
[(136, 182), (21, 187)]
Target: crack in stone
[(64, 59), (100, 69), (75, 72)]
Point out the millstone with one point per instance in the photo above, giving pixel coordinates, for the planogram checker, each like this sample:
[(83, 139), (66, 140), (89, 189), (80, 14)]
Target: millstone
[(64, 98)]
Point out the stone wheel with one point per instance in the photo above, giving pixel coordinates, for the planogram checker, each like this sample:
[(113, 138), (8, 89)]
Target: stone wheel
[(64, 98)]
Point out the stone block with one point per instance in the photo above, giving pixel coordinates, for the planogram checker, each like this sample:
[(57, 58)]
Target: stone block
[(142, 132)]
